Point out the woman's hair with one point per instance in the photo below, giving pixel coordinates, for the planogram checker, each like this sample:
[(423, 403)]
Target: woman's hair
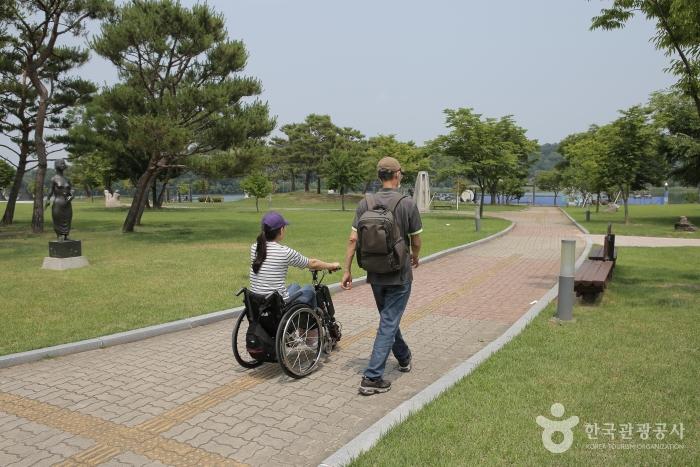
[(265, 236)]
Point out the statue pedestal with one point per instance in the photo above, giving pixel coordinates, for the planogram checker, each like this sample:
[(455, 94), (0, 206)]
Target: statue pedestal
[(64, 255), (65, 248), (61, 264)]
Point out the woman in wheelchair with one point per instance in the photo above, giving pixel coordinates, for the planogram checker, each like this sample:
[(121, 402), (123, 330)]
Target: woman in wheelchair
[(270, 260)]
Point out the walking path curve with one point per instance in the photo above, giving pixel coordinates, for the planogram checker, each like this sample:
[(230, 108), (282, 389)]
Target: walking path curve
[(180, 399), (630, 240)]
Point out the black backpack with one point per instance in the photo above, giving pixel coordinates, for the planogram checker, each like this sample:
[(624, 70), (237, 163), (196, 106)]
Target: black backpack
[(380, 245), (264, 315)]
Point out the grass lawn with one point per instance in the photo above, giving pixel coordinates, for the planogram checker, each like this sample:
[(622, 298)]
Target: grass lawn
[(182, 262), (646, 220), (635, 358)]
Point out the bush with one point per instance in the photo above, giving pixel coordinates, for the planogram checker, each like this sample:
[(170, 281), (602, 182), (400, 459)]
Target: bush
[(211, 199), (691, 197)]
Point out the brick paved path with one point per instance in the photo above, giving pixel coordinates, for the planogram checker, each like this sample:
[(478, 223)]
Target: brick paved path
[(180, 399)]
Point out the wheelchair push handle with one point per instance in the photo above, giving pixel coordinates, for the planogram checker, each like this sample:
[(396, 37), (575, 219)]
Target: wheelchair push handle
[(314, 273)]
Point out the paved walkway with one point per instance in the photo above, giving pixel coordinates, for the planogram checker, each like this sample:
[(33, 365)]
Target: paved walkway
[(180, 399), (630, 240)]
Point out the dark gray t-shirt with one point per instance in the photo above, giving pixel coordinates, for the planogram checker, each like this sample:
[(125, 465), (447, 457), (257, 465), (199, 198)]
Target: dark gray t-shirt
[(408, 219)]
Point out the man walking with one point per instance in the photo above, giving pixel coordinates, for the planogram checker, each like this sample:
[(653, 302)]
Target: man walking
[(391, 286)]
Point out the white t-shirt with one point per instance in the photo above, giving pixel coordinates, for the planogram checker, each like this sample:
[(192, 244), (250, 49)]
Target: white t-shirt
[(273, 272)]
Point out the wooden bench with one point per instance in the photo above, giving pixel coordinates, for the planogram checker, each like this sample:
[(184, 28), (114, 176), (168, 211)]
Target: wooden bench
[(607, 252), (598, 254), (443, 204), (592, 278)]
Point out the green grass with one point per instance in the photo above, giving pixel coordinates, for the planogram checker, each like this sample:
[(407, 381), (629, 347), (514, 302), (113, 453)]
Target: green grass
[(634, 358), (646, 220), (182, 262)]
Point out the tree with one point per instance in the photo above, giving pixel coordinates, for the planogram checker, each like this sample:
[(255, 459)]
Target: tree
[(343, 170), (35, 27), (411, 158), (584, 166), (677, 35), (308, 144), (674, 117), (90, 173), (35, 91), (180, 93), (201, 186), (7, 174), (257, 185), (487, 150), (550, 180), (632, 159)]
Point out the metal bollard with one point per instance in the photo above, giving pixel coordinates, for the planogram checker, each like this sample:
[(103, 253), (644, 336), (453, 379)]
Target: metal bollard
[(477, 219), (565, 304)]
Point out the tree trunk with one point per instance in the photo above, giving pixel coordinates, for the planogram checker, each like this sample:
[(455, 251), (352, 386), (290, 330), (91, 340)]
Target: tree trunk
[(294, 181), (140, 198), (257, 208), (493, 196), (366, 189), (9, 215), (160, 196), (597, 204), (154, 193), (342, 198), (555, 198), (625, 197), (154, 180), (307, 181), (318, 185), (481, 203), (40, 149)]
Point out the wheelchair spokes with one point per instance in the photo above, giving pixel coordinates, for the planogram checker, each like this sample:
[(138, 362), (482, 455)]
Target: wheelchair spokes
[(299, 341)]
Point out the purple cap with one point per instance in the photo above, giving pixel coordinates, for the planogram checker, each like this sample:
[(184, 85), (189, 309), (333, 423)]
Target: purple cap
[(274, 220)]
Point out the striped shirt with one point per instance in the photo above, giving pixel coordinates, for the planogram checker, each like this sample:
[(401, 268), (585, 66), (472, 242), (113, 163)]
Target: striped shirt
[(272, 275)]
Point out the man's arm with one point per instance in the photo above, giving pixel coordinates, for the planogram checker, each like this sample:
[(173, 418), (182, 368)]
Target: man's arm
[(415, 249), (346, 283)]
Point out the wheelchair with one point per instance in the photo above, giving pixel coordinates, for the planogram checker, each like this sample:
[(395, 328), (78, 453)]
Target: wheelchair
[(290, 333)]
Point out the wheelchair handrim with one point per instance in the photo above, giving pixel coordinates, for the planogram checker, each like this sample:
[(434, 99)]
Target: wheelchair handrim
[(300, 348)]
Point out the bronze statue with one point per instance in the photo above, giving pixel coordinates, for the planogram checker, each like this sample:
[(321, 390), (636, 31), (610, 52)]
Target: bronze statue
[(62, 211)]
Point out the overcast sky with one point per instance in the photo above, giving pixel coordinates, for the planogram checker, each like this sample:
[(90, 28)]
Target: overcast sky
[(393, 66)]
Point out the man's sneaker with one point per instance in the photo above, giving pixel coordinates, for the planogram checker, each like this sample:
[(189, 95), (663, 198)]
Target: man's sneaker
[(405, 366), (373, 386)]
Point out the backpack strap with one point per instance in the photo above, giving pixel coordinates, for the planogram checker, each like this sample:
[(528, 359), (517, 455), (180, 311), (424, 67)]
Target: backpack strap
[(400, 197)]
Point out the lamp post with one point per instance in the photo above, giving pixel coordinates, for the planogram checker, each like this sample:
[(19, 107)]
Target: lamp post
[(665, 192), (565, 304)]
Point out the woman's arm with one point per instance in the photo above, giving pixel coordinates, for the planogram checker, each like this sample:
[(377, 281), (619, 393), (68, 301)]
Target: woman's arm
[(51, 193), (318, 265)]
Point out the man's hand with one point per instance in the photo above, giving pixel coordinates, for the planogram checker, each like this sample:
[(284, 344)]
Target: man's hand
[(334, 267), (414, 260), (346, 283)]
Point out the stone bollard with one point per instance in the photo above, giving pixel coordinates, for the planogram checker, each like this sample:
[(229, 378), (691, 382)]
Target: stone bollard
[(565, 304)]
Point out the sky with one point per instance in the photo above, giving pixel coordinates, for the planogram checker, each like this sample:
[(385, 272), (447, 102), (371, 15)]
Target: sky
[(393, 66)]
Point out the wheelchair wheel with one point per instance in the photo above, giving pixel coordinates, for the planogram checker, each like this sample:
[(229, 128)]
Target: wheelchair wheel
[(238, 343), (299, 341)]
